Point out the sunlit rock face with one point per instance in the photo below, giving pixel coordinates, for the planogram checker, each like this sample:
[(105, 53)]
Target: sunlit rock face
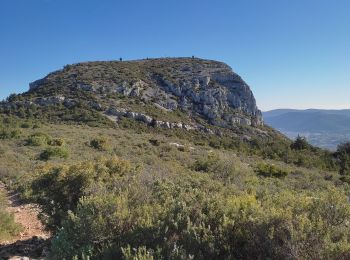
[(205, 88)]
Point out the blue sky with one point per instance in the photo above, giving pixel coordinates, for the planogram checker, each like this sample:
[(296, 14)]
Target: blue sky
[(293, 54)]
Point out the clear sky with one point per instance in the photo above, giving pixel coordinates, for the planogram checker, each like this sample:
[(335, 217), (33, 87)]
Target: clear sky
[(293, 53)]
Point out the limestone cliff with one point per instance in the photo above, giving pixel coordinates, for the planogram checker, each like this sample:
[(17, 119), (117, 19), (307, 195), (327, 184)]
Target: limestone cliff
[(200, 88)]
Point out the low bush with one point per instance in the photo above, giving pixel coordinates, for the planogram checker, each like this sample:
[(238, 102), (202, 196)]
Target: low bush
[(38, 139), (215, 143), (345, 178), (154, 142), (100, 143), (56, 142), (179, 222), (25, 125), (270, 170), (140, 253), (183, 148), (10, 134), (58, 189), (206, 164), (59, 152)]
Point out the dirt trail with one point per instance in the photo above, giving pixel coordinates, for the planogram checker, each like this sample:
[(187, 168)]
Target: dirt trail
[(33, 239)]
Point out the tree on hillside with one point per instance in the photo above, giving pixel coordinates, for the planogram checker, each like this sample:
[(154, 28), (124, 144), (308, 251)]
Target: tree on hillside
[(300, 143), (343, 155), (11, 97)]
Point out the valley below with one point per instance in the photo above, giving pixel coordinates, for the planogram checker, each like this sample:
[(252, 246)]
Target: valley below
[(324, 140), (322, 128)]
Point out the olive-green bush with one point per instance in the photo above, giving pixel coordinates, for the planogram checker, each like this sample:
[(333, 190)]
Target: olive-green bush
[(270, 170), (56, 142), (206, 164), (38, 139), (182, 224), (58, 189), (105, 209), (100, 143), (50, 152), (9, 134)]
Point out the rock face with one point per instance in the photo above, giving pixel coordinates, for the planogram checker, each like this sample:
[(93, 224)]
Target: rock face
[(118, 113), (204, 88)]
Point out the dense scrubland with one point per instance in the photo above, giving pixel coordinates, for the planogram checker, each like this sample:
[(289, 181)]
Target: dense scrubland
[(137, 192), (231, 188)]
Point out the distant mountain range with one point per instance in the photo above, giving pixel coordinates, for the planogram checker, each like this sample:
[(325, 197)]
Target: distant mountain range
[(324, 128)]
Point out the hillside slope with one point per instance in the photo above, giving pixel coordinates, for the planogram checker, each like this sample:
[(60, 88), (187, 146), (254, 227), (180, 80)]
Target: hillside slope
[(208, 89), (123, 168)]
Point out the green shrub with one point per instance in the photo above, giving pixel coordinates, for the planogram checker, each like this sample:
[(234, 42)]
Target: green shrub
[(100, 143), (345, 178), (270, 170), (38, 139), (140, 253), (300, 143), (10, 134), (59, 152), (215, 143), (58, 189), (56, 142), (154, 142), (183, 148), (206, 164), (343, 156), (25, 125), (176, 221)]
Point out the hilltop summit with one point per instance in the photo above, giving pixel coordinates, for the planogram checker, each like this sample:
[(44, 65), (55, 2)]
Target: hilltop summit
[(206, 89)]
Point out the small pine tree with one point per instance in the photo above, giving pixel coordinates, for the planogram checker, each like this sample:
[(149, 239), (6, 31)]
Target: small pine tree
[(300, 143), (11, 97), (343, 156)]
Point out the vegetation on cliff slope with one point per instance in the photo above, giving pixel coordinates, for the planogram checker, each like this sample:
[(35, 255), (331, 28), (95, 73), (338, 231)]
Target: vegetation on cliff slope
[(177, 194), (119, 188)]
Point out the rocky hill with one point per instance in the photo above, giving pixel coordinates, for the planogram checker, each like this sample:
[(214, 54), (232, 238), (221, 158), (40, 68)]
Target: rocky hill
[(164, 159), (149, 90)]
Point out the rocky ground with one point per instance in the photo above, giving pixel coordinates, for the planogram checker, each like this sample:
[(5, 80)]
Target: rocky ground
[(32, 242)]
